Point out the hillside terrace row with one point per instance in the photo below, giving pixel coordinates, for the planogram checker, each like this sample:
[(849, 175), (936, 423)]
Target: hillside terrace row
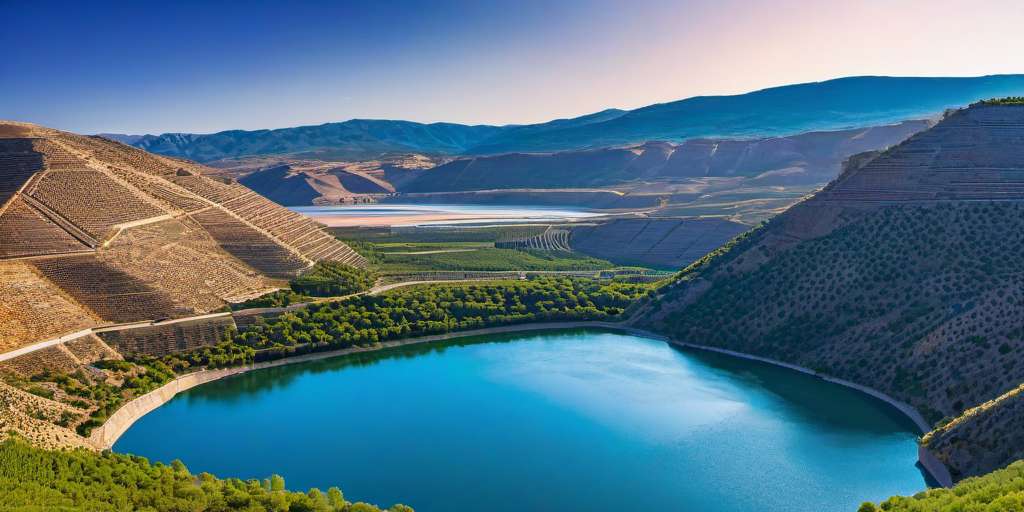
[(249, 245), (162, 190), (109, 203), (34, 309), (296, 230), (18, 162), (182, 259), (159, 340), (114, 295), (552, 239), (27, 232)]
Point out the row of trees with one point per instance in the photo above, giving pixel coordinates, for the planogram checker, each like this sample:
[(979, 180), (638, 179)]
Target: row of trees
[(428, 310), (79, 480), (1009, 100), (331, 278), (325, 279)]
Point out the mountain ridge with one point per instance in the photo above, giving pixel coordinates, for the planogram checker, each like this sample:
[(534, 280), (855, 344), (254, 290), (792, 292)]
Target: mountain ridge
[(840, 103)]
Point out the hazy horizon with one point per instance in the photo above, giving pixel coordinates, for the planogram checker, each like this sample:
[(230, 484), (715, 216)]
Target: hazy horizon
[(201, 67)]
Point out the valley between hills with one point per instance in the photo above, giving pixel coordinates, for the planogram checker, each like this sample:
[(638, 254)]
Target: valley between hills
[(125, 271)]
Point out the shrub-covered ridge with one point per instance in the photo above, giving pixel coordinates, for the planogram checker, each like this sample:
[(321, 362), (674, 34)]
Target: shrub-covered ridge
[(920, 302), (999, 491), (34, 479)]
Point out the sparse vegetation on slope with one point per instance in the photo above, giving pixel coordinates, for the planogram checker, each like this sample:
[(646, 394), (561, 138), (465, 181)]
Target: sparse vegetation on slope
[(34, 479), (903, 275), (915, 301), (89, 395)]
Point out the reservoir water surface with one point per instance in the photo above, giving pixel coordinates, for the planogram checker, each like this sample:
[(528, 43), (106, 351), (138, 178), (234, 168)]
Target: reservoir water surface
[(547, 421), (395, 214)]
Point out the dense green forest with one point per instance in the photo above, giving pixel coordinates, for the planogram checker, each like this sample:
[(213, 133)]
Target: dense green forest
[(325, 279), (999, 491), (331, 278), (33, 479), (436, 309)]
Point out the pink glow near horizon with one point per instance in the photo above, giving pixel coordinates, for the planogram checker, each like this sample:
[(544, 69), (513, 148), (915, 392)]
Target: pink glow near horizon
[(202, 67)]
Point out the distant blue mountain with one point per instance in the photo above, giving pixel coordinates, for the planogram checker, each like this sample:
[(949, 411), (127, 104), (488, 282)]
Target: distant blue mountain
[(829, 105), (354, 139)]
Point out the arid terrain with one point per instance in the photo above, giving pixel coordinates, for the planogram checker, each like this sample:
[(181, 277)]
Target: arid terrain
[(109, 249)]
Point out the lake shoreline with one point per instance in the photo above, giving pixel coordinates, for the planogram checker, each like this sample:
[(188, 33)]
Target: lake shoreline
[(105, 436)]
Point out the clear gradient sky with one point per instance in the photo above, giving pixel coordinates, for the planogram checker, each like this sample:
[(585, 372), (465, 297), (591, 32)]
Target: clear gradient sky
[(190, 66)]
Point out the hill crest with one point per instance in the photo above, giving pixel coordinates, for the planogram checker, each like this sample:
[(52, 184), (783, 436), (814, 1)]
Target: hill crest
[(840, 103)]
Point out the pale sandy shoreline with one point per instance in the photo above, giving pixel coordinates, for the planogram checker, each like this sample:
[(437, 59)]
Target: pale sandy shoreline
[(104, 436)]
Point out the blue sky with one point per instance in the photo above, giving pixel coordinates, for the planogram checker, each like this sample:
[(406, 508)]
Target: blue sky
[(149, 67)]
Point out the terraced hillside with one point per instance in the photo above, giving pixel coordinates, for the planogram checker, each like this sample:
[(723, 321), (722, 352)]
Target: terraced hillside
[(94, 232), (108, 252), (657, 242), (551, 239), (905, 274)]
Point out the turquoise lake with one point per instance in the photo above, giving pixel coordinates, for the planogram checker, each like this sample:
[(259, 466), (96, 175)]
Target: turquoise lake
[(545, 421)]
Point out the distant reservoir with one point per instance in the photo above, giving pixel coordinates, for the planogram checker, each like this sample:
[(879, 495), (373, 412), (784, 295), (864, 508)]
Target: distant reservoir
[(439, 214), (553, 421)]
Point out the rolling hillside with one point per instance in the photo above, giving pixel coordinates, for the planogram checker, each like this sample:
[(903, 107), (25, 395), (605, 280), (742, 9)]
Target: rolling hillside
[(288, 186), (904, 274), (778, 111), (357, 139), (808, 158)]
